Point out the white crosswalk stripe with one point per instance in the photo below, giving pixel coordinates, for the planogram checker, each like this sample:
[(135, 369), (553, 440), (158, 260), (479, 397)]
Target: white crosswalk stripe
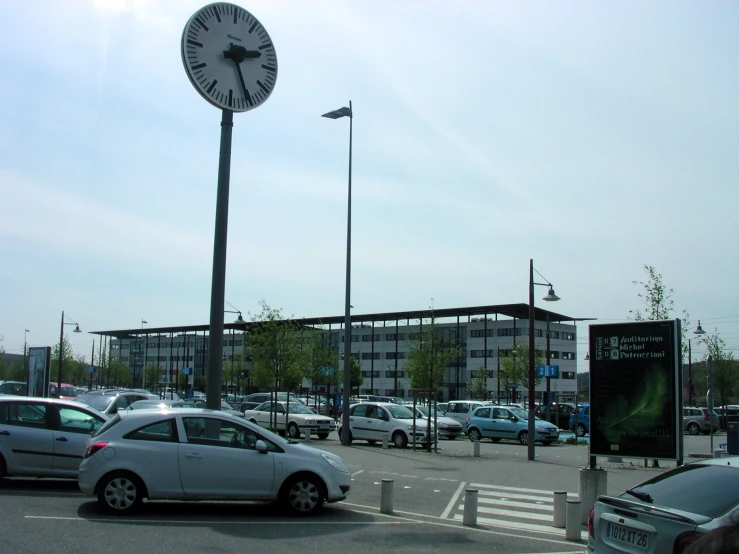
[(515, 508)]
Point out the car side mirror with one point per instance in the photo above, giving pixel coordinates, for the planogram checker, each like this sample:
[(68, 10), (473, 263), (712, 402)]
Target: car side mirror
[(514, 419), (261, 447)]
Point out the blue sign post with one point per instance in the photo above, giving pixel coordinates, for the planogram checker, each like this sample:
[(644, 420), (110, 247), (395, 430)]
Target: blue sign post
[(547, 371)]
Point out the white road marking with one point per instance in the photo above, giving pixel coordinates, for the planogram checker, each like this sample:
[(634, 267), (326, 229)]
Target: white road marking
[(357, 472), (452, 501)]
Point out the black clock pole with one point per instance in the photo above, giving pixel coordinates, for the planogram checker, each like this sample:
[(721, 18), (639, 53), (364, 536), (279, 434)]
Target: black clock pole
[(218, 286)]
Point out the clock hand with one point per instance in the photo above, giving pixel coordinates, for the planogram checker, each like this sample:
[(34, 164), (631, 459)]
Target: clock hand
[(243, 85), (238, 53)]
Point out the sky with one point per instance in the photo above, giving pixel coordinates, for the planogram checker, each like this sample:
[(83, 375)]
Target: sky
[(592, 137)]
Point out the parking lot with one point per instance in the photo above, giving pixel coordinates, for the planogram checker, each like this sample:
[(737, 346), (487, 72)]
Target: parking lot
[(514, 513)]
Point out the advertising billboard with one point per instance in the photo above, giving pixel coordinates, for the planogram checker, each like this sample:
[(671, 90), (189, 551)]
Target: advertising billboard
[(39, 364), (635, 390)]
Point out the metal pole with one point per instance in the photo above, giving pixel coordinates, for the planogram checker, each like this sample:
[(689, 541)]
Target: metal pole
[(690, 375), (347, 305), (548, 402), (61, 354), (532, 375), (25, 354), (709, 372), (218, 286)]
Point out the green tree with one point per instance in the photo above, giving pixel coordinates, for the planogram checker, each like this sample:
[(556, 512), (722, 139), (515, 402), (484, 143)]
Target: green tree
[(118, 373), (355, 375), (319, 358), (515, 367), (276, 351), (725, 371), (478, 385), (151, 376), (430, 355)]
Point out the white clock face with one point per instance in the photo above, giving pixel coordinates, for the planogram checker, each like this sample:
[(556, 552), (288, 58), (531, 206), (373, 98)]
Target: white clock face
[(229, 57)]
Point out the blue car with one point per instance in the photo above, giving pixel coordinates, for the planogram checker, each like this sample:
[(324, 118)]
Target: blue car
[(580, 420), (507, 422)]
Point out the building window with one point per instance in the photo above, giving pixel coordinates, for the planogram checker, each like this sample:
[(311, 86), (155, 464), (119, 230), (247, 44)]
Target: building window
[(568, 375), (482, 353), (553, 355), (391, 374), (509, 332), (479, 333), (568, 336), (568, 355), (553, 334), (370, 355), (370, 338), (393, 336), (369, 374), (395, 355)]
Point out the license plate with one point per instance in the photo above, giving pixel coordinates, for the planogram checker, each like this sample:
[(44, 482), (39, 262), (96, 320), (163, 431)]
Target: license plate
[(323, 427), (624, 535)]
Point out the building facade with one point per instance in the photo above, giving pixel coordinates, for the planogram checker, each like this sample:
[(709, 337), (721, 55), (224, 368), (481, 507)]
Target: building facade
[(381, 343)]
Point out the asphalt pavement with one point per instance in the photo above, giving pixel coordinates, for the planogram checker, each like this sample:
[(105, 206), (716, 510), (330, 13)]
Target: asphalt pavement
[(515, 507)]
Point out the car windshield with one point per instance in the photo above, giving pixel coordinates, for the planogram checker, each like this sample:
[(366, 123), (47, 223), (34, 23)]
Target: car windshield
[(519, 413), (97, 401), (424, 410), (68, 391), (710, 490), (399, 412), (296, 408)]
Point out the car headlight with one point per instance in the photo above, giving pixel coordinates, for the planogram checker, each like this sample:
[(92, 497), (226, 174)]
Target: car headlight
[(335, 462), (541, 429), (309, 421), (443, 425)]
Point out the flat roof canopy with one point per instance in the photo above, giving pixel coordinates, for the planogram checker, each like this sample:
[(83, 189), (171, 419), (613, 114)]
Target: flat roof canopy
[(514, 311)]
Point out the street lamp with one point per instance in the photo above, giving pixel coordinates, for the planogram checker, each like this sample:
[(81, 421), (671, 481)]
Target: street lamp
[(698, 331), (345, 437), (61, 346), (550, 297), (25, 350)]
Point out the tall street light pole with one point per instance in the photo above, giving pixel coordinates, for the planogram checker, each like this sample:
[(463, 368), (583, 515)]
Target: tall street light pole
[(532, 373), (61, 347), (336, 114), (698, 331), (25, 352)]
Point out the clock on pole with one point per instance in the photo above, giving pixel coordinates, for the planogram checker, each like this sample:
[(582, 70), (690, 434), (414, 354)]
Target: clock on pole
[(230, 59)]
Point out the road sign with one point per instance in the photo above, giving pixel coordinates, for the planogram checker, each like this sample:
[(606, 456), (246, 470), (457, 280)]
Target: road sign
[(165, 380), (186, 371), (91, 369), (547, 371)]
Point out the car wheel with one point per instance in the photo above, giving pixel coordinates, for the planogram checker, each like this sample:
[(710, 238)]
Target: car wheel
[(254, 421), (322, 435), (303, 495), (523, 437), (400, 440), (694, 428), (495, 440), (293, 432), (3, 468), (350, 436), (581, 431), (120, 492), (474, 435)]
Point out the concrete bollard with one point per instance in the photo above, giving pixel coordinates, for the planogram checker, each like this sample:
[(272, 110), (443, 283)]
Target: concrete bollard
[(476, 449), (593, 483), (386, 496), (573, 525), (307, 435), (385, 441), (560, 509), (717, 453), (470, 507)]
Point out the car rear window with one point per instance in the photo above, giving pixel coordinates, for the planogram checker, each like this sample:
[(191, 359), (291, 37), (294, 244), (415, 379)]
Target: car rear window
[(97, 401), (107, 425), (709, 490)]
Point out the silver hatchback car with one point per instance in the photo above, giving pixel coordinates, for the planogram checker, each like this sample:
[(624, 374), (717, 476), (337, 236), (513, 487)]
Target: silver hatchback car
[(44, 437)]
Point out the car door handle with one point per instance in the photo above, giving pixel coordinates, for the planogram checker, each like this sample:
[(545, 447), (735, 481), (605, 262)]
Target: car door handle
[(194, 455), (62, 439), (5, 433)]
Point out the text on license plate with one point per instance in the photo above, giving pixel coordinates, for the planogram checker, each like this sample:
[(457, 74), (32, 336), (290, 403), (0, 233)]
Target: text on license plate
[(323, 427), (627, 536)]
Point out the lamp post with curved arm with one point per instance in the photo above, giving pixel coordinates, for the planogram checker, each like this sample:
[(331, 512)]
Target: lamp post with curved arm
[(61, 346)]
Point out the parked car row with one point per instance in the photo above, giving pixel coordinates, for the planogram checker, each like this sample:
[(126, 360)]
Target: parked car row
[(128, 455)]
